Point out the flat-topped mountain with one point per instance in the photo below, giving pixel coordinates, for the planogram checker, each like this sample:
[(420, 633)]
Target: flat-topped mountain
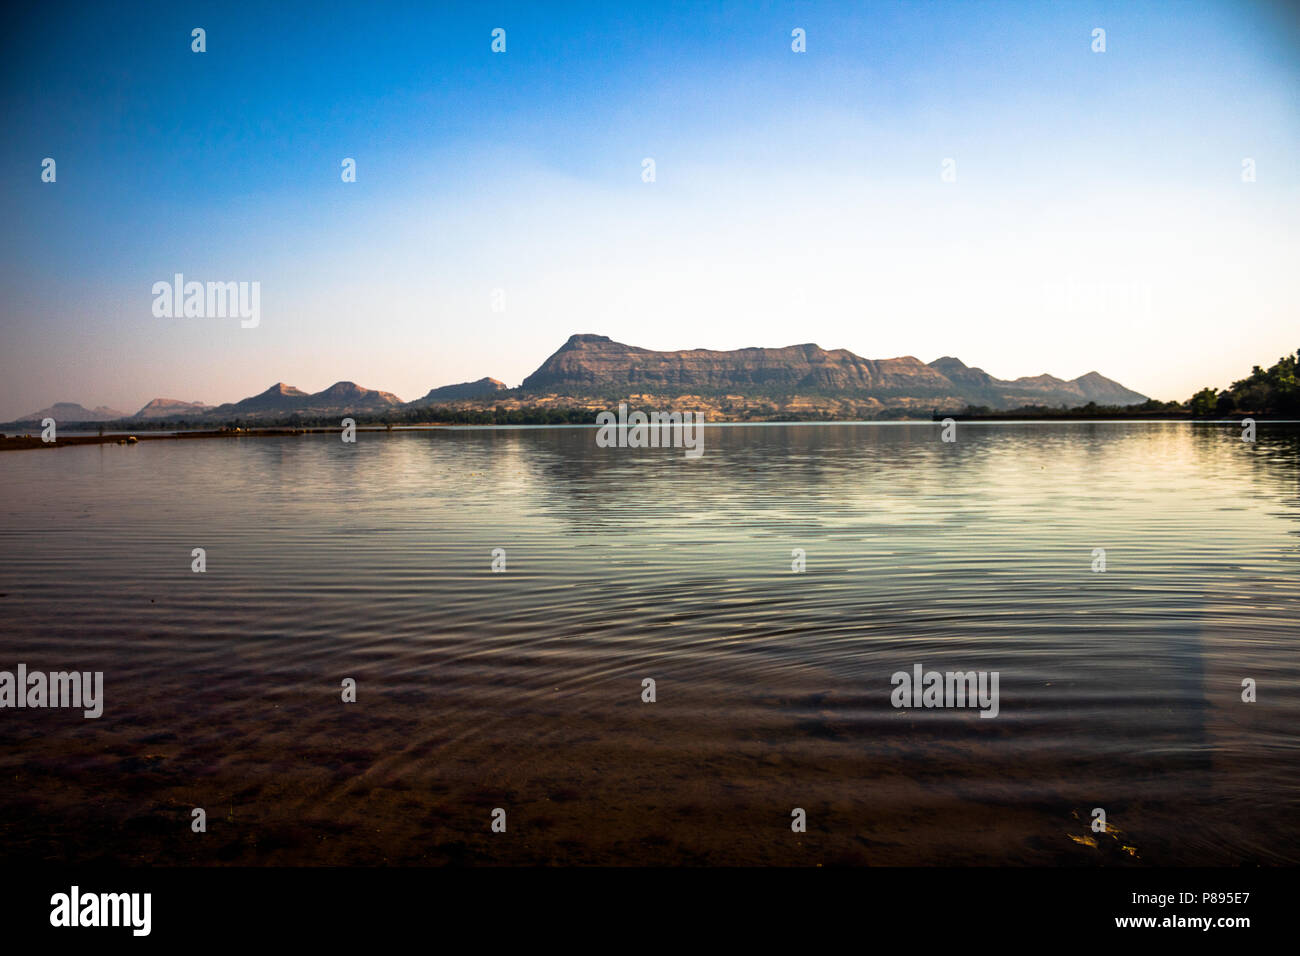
[(72, 412), (595, 364), (171, 408)]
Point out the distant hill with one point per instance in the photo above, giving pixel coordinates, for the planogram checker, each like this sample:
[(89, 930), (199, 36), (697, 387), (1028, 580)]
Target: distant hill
[(281, 400), (72, 412), (349, 396), (171, 408), (483, 388), (981, 388), (278, 399), (595, 364)]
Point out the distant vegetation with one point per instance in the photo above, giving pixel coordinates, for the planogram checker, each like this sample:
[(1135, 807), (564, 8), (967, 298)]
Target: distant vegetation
[(1151, 408), (441, 415), (424, 415)]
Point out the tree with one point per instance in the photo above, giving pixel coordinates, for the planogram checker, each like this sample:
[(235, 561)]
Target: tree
[(1203, 402)]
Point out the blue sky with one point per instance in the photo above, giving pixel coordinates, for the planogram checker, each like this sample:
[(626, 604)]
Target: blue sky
[(1098, 219)]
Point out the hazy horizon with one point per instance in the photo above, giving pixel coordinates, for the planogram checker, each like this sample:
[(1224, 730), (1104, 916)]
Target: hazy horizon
[(1099, 220), (316, 388)]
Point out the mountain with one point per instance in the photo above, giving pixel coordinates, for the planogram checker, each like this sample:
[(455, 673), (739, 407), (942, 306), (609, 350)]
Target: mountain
[(72, 412), (1104, 391), (278, 399), (281, 400), (483, 388), (349, 396), (981, 388), (595, 364), (171, 408)]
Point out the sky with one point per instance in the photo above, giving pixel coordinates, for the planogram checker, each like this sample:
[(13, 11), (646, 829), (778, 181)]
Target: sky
[(1098, 218)]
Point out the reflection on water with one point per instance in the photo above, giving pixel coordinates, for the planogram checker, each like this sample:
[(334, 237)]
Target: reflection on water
[(521, 690)]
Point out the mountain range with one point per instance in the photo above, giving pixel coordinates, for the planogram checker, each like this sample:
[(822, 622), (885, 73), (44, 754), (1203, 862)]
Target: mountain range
[(73, 412), (588, 364), (595, 369)]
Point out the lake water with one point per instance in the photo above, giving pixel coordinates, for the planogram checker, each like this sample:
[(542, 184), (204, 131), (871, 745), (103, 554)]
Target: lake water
[(1119, 690)]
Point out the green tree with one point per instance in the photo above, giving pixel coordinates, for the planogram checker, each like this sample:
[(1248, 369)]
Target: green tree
[(1203, 402)]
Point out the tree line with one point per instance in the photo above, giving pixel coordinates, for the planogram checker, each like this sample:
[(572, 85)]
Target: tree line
[(1271, 391)]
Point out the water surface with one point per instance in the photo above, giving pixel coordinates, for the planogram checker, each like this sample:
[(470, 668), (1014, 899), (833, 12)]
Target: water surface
[(522, 689)]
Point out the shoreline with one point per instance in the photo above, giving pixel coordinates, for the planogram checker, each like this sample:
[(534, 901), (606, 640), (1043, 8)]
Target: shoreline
[(30, 441), (19, 442)]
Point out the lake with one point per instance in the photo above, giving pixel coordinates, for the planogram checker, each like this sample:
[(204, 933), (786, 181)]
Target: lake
[(522, 689)]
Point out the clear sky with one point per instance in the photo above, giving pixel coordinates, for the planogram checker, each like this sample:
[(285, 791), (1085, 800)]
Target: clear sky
[(1098, 219)]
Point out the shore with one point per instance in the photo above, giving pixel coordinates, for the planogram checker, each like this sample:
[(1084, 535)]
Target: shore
[(16, 442), (28, 441)]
